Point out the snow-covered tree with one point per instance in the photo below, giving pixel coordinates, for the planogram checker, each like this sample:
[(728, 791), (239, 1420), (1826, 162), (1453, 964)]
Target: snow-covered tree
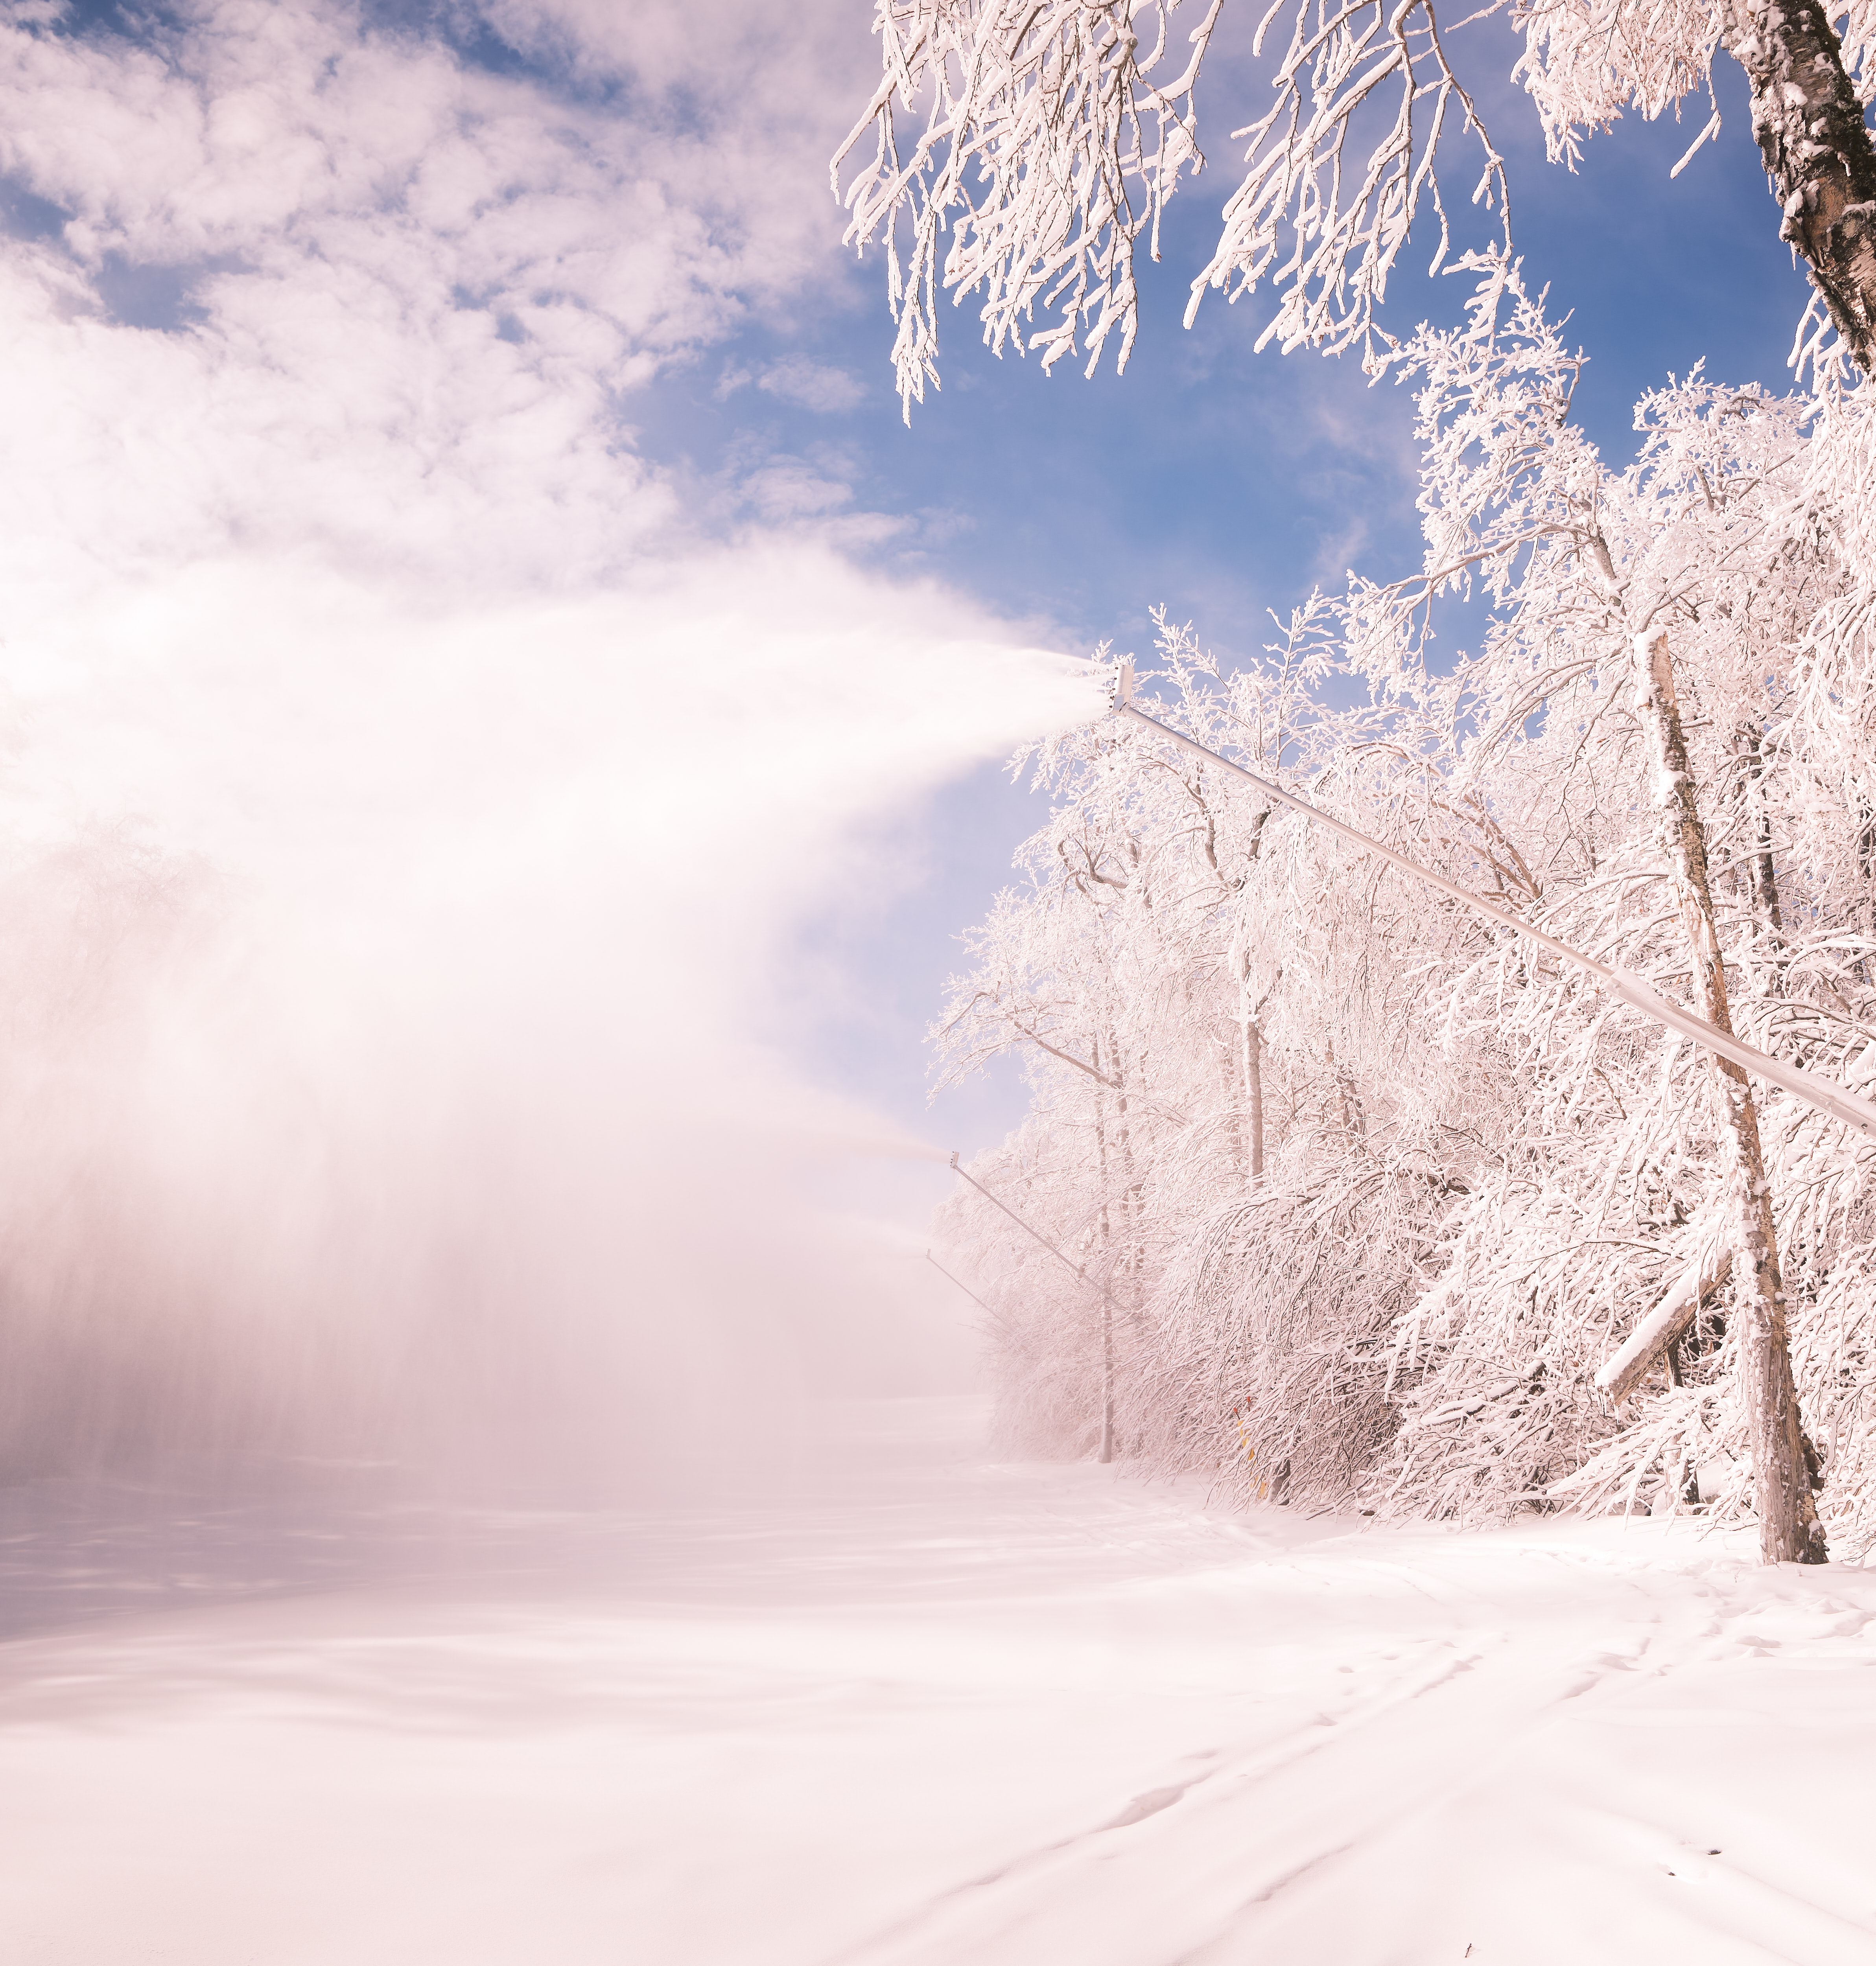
[(1505, 1242), (1021, 149)]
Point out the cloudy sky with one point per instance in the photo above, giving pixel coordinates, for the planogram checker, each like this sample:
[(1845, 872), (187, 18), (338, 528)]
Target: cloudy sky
[(459, 538)]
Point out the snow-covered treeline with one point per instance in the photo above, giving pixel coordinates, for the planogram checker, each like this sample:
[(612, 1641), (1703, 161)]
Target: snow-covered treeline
[(1374, 1189)]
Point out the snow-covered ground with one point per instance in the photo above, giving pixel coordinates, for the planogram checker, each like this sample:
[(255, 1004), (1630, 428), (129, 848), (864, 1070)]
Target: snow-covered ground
[(926, 1708)]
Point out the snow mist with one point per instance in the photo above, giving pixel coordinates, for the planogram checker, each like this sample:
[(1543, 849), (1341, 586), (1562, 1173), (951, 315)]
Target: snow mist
[(386, 1075)]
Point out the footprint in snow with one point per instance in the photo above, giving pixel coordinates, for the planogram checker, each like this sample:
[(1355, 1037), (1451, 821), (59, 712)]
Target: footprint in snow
[(1151, 1804)]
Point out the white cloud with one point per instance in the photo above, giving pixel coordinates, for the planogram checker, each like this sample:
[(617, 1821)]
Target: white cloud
[(416, 290), (790, 488), (813, 385)]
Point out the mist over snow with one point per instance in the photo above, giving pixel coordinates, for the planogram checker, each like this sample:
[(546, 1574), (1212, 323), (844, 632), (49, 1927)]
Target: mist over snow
[(409, 792)]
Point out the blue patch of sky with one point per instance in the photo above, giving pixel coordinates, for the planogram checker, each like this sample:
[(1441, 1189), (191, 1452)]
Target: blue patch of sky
[(135, 19), (140, 294), (26, 215), (464, 30), (160, 296)]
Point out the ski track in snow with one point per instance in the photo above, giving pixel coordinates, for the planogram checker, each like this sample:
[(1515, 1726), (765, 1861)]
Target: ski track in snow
[(928, 1709)]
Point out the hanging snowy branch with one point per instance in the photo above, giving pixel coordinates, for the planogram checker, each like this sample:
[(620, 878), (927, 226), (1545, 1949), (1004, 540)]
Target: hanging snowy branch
[(1054, 132), (1327, 225)]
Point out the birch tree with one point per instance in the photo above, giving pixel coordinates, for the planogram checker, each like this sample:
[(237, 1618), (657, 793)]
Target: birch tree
[(1789, 1529)]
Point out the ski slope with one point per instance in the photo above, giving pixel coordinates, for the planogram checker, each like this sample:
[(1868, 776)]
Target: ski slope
[(923, 1709)]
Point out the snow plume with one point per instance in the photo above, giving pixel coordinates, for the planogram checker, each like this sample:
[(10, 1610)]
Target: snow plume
[(398, 1029), (406, 806)]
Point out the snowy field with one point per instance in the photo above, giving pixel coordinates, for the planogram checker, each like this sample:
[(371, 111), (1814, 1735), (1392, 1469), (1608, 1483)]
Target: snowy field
[(929, 1709)]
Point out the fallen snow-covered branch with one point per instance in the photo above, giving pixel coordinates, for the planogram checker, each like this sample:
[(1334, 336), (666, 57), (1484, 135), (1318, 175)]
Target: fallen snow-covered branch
[(1663, 1325)]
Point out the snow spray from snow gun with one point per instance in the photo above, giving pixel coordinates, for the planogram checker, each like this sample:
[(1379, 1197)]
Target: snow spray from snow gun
[(1829, 1097)]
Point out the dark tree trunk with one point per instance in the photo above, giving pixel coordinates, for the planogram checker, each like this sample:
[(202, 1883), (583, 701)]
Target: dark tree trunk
[(1818, 155)]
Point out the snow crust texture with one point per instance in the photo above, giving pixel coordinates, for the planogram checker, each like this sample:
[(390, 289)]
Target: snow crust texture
[(926, 1708)]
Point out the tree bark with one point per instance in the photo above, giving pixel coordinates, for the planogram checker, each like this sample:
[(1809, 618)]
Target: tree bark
[(1761, 872), (1130, 1259), (1254, 1092), (1789, 1531), (1818, 155), (1347, 1108), (1251, 1059)]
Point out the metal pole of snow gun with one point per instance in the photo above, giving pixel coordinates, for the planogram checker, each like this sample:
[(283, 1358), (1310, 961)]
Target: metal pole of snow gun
[(1081, 1275), (962, 1285), (1829, 1097), (996, 1317), (1059, 1255)]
